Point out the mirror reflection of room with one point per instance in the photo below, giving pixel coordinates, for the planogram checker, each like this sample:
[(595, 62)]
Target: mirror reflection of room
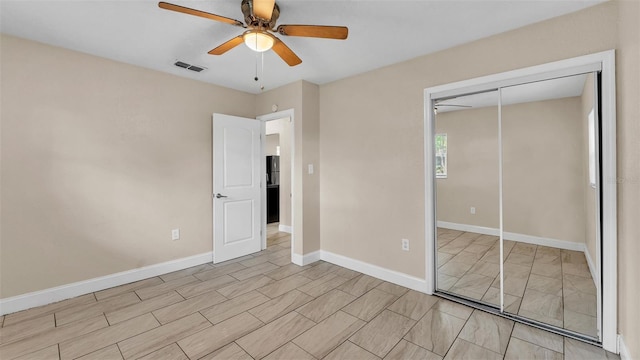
[(549, 202)]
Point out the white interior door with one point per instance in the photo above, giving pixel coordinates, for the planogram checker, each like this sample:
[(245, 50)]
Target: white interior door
[(236, 187)]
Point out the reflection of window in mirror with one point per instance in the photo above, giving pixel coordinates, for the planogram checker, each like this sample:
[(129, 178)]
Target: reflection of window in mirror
[(592, 149), (441, 156)]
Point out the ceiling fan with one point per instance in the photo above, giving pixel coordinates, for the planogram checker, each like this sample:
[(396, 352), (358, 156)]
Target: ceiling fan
[(260, 18)]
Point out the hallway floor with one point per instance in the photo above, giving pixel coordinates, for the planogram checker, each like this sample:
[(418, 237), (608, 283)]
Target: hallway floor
[(262, 306)]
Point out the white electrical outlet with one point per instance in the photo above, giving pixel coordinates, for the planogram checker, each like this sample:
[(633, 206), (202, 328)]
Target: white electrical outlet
[(175, 234), (473, 210), (405, 244)]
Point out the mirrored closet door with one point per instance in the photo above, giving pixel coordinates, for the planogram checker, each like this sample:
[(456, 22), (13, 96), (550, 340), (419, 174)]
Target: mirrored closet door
[(517, 172)]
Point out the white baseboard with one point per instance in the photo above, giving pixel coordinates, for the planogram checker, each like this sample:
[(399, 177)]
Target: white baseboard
[(624, 351), (59, 293), (307, 259), (592, 268), (285, 228), (375, 271), (529, 239)]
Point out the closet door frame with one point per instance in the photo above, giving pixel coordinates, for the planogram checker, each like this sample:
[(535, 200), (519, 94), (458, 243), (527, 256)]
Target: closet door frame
[(604, 62)]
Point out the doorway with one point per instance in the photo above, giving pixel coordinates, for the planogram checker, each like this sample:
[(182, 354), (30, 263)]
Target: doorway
[(520, 221)]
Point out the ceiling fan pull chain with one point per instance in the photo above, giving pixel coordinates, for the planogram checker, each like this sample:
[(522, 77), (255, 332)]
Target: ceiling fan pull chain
[(256, 77), (262, 73)]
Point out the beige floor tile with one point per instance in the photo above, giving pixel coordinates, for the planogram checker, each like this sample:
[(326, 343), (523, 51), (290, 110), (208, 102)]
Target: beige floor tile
[(382, 334), (280, 306), (547, 251), (470, 283), (250, 272), (576, 269), (545, 284), (321, 285), (520, 259), (489, 240), (198, 288), (143, 307), (477, 249), (349, 350), (256, 260), (94, 309), (219, 270), (453, 268), (515, 279), (187, 307), (1, 320), (452, 308), (185, 272), (406, 350), (26, 328), (325, 305), (328, 334), (538, 337), (214, 338), (519, 349), (394, 289), (413, 304), (436, 331), (467, 256), (370, 304), (347, 273), (489, 331), (446, 282), (111, 352), (245, 286), (285, 271), (454, 247), (48, 353), (168, 286), (158, 338), (101, 295), (171, 352), (57, 335), (288, 351), (443, 258), (579, 283), (511, 303), (229, 352), (580, 302), (581, 323), (358, 286), (48, 309), (99, 339), (548, 270), (266, 339), (280, 287), (317, 271), (577, 350), (485, 268), (282, 260), (464, 350), (524, 249), (233, 307), (541, 306)]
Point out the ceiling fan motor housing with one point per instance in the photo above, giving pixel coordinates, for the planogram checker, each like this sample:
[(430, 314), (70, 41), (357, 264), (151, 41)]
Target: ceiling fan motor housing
[(253, 21)]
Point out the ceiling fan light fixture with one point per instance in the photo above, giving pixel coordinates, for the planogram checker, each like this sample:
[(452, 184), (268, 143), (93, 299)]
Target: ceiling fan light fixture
[(257, 40)]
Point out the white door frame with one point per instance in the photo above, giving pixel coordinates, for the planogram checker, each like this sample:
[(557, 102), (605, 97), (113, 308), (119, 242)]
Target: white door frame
[(264, 118), (604, 61)]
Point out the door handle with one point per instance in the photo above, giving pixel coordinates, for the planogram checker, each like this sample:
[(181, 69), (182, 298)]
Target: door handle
[(218, 196)]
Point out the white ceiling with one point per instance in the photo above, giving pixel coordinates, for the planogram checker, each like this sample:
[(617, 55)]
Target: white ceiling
[(380, 33), (558, 88)]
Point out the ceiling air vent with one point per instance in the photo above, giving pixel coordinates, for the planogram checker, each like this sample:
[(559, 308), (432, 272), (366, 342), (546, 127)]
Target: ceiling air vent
[(189, 66)]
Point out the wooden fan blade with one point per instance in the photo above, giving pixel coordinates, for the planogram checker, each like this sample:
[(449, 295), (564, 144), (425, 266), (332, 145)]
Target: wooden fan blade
[(285, 53), (263, 8), (318, 31), (227, 46), (206, 15)]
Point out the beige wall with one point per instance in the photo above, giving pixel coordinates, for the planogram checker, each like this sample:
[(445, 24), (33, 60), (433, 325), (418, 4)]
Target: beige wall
[(100, 160), (271, 145), (543, 187), (590, 194), (371, 140)]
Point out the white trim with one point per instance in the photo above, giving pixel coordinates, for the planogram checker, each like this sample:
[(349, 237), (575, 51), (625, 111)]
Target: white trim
[(306, 259), (624, 351), (59, 293), (284, 228), (391, 276), (529, 239), (592, 267)]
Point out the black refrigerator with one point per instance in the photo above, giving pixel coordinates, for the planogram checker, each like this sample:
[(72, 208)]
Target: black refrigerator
[(273, 189)]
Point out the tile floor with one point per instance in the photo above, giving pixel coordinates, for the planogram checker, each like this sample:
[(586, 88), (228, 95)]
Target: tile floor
[(262, 306), (547, 284)]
